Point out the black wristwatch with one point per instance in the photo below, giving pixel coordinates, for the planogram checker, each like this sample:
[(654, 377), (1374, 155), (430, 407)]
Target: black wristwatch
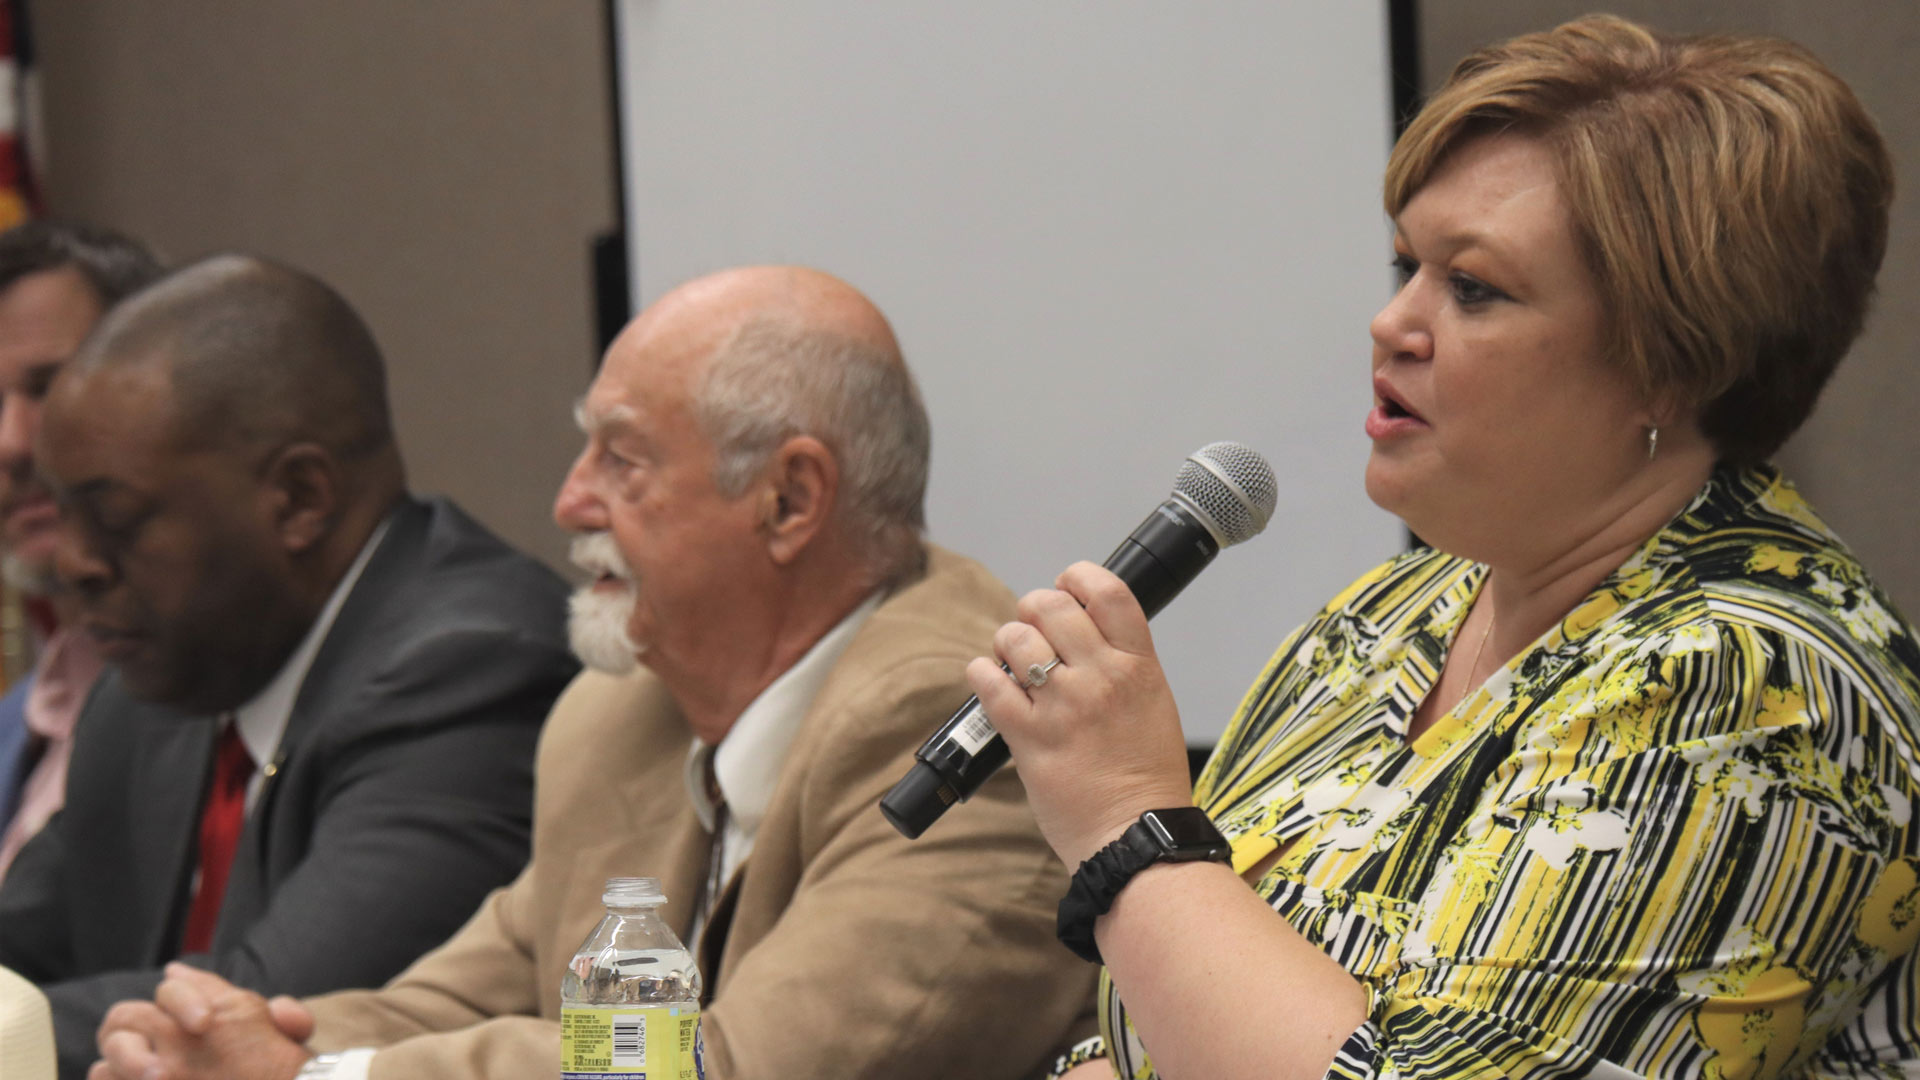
[(1180, 834)]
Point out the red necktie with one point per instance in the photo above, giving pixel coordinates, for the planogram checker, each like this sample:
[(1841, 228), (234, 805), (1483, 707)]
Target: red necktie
[(221, 819)]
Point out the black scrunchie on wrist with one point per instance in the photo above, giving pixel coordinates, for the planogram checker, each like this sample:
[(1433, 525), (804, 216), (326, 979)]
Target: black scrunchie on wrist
[(1092, 892)]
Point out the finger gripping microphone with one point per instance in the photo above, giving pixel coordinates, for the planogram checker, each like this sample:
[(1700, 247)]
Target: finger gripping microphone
[(1224, 494)]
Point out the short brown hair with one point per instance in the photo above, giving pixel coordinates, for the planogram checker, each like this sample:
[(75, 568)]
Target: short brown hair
[(1730, 194), (114, 265)]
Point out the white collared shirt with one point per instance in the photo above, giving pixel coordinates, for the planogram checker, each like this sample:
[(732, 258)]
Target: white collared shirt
[(262, 720), (747, 762)]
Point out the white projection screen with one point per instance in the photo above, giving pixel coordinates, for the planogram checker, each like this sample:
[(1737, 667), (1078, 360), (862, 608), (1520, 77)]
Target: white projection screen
[(1107, 233)]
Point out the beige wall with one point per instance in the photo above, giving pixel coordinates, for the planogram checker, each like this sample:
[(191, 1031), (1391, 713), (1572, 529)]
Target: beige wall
[(442, 162), (1858, 459)]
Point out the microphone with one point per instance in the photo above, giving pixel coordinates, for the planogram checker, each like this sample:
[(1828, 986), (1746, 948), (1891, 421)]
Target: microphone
[(1225, 493)]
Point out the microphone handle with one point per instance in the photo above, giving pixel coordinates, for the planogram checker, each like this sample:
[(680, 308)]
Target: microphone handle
[(1157, 560)]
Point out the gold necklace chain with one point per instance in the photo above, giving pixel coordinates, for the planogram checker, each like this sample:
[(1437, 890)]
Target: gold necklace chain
[(1477, 654)]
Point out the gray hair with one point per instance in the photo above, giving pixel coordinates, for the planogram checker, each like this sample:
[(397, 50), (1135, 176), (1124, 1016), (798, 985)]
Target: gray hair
[(774, 380)]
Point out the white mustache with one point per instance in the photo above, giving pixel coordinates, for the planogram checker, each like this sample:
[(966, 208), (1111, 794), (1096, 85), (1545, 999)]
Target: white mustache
[(596, 553), (597, 618)]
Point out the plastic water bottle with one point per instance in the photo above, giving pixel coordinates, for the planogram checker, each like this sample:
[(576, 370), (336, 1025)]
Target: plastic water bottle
[(630, 1000)]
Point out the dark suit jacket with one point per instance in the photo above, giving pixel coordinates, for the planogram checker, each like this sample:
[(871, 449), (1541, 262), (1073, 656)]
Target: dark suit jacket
[(401, 794)]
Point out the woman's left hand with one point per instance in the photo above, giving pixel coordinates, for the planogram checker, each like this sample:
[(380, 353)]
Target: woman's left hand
[(1099, 742)]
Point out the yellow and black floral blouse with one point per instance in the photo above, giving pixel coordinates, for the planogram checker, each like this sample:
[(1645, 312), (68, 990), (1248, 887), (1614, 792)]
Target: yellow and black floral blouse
[(1675, 837)]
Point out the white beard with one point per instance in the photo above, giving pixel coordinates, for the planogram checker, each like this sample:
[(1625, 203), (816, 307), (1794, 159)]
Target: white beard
[(597, 618)]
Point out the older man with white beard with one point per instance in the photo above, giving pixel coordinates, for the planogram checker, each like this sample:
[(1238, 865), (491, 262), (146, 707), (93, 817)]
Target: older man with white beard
[(774, 640), (597, 617)]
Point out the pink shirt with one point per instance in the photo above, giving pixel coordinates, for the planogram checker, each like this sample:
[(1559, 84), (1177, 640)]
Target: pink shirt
[(62, 676)]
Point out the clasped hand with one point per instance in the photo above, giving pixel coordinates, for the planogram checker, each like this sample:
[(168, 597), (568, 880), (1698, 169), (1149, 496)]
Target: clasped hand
[(201, 1027), (1099, 742)]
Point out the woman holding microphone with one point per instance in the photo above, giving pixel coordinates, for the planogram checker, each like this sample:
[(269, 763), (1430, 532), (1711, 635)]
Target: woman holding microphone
[(1616, 779)]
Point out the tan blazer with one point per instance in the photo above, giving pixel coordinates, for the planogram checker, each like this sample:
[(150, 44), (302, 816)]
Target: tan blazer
[(849, 951)]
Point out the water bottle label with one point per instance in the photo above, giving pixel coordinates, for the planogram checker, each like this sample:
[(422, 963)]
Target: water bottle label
[(632, 1042)]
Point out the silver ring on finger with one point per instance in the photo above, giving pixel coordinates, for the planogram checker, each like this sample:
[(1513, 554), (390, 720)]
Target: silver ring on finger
[(1037, 674)]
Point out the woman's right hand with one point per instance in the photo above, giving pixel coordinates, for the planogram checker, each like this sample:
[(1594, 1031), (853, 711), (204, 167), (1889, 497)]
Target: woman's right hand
[(1204, 963), (1099, 742)]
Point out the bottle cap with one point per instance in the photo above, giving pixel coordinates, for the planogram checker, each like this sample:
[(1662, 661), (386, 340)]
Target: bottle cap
[(629, 892)]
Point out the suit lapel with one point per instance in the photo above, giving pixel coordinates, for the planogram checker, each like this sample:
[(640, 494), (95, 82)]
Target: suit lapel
[(713, 937), (677, 855), (337, 670), (246, 896), (331, 683), (175, 753)]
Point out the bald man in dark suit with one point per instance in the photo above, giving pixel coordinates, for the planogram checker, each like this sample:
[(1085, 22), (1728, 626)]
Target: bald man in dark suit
[(313, 755)]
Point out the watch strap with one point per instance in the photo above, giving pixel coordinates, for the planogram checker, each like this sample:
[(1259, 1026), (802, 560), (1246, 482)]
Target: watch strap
[(1098, 881)]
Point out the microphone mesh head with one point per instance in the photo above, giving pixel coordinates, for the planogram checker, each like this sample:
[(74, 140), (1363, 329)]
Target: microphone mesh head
[(1232, 487)]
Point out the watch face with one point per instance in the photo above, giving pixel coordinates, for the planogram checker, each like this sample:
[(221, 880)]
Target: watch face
[(1186, 832)]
